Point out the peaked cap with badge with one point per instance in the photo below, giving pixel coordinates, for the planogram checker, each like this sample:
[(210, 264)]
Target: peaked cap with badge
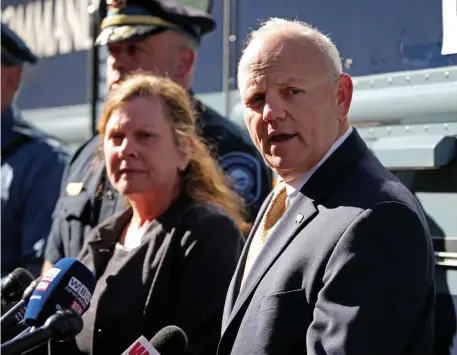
[(14, 49), (130, 20)]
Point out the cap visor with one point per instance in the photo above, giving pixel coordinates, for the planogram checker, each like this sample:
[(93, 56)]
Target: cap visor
[(115, 34)]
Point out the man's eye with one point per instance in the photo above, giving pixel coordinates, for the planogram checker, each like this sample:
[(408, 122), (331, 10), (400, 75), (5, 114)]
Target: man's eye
[(144, 135), (255, 100), (132, 49), (293, 91)]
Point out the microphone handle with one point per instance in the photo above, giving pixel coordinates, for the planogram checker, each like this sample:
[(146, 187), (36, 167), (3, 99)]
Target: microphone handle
[(16, 330), (26, 342), (14, 315)]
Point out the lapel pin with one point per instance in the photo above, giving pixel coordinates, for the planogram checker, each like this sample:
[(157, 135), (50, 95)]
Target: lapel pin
[(299, 218)]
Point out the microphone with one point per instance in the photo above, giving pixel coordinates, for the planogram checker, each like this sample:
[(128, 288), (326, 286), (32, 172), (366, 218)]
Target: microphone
[(69, 284), (141, 347), (170, 340), (13, 286), (61, 326), (15, 315)]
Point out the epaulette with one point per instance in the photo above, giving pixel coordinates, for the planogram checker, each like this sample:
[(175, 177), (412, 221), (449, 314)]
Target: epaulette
[(36, 134)]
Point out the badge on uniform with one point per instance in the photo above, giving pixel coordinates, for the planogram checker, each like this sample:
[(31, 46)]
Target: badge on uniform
[(74, 188), (246, 172), (116, 5), (7, 175)]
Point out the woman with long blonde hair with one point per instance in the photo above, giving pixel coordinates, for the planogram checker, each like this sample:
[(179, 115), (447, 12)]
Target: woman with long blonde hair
[(169, 257)]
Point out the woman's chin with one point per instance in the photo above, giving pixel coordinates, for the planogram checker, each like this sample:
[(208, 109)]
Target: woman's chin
[(129, 189)]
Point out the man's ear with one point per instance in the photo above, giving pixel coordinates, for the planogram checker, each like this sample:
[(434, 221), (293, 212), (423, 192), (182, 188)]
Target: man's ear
[(186, 61), (344, 96), (12, 77)]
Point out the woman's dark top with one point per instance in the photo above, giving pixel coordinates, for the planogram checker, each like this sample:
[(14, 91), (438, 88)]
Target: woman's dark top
[(179, 275)]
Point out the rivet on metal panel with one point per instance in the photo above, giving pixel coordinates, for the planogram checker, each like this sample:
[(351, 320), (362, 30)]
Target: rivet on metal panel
[(407, 128), (446, 74), (389, 80), (445, 126), (427, 76), (408, 78), (348, 63)]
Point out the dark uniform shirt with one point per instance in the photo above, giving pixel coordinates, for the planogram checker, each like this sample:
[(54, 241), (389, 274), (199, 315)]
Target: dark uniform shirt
[(32, 167), (87, 198)]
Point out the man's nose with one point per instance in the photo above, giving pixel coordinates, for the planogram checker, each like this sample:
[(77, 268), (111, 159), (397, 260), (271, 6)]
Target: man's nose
[(118, 61), (273, 110)]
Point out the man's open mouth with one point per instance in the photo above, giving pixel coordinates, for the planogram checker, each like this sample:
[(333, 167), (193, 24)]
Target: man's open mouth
[(281, 138)]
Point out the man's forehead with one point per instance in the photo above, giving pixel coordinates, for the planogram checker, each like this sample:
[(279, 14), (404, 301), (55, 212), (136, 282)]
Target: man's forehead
[(273, 79), (282, 67), (252, 84), (279, 47), (276, 73)]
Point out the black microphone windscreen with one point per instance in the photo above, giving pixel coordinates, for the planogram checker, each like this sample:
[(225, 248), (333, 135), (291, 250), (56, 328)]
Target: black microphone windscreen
[(170, 340), (14, 284)]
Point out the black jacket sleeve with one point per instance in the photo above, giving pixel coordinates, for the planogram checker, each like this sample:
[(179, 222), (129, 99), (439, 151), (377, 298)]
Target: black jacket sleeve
[(210, 252)]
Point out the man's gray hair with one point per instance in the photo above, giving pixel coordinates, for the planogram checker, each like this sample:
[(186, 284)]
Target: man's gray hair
[(300, 29)]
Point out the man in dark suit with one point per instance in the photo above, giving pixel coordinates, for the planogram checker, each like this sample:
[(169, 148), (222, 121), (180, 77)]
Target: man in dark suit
[(339, 260)]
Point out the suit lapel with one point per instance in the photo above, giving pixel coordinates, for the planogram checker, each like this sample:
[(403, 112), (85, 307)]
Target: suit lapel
[(296, 216), (232, 292)]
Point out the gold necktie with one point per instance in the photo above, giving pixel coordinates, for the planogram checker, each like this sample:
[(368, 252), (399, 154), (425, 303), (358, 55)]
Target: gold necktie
[(274, 211)]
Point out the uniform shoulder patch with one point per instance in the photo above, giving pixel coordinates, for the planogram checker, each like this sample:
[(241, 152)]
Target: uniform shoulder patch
[(246, 172)]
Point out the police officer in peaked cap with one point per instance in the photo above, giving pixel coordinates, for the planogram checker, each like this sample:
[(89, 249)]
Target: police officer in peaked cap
[(32, 165), (161, 37)]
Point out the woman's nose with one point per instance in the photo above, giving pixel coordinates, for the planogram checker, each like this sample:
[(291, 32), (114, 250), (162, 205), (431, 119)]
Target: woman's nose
[(127, 149)]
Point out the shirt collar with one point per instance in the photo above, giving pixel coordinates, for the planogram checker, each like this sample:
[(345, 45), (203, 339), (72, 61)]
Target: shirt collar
[(294, 188), (8, 117)]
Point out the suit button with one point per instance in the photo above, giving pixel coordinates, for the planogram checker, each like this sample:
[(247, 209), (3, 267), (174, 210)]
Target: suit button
[(110, 195)]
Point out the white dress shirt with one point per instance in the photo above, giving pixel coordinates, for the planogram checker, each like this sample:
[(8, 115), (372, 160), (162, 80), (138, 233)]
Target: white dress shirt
[(294, 188)]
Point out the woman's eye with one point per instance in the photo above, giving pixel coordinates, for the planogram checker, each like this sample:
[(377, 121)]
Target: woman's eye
[(116, 137)]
